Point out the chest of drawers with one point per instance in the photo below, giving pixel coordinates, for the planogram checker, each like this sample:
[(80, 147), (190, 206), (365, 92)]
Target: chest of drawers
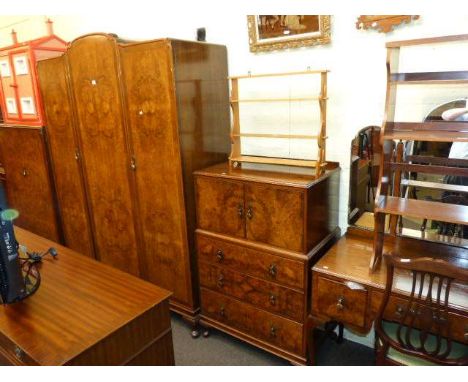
[(259, 231)]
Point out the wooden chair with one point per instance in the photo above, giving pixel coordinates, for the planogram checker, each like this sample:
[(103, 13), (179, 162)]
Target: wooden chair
[(419, 333)]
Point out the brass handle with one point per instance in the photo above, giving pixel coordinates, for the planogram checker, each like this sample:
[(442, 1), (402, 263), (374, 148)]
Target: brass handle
[(272, 331), (77, 155), (220, 255), (272, 270), (220, 280), (340, 303), (399, 311), (19, 353), (272, 299), (240, 210), (133, 163), (249, 213), (222, 312), (24, 172)]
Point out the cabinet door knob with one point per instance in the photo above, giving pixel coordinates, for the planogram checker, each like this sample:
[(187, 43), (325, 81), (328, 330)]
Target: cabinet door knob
[(133, 164), (220, 255), (340, 303), (249, 213), (272, 270), (24, 172), (222, 312), (272, 331), (399, 311), (272, 299), (220, 281), (240, 210), (77, 155)]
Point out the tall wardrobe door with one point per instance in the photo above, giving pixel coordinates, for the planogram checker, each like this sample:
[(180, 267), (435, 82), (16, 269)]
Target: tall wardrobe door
[(28, 186), (95, 86), (65, 156), (153, 125)]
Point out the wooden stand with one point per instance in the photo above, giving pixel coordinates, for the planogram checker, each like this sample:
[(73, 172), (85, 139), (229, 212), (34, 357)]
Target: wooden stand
[(236, 157), (388, 200)]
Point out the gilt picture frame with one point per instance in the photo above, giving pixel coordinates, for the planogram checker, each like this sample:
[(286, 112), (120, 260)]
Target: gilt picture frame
[(278, 32)]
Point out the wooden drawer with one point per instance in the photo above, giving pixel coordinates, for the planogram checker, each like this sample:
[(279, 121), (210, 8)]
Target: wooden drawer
[(262, 294), (262, 325), (12, 355), (337, 300), (458, 322), (252, 262)]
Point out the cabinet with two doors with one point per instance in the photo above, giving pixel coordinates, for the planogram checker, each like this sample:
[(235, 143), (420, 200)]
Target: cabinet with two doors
[(258, 233)]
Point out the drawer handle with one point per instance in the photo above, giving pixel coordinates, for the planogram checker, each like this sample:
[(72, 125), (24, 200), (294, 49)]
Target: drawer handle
[(249, 213), (240, 210), (19, 353), (272, 331), (77, 154), (272, 299), (272, 270), (399, 311), (220, 255), (220, 280), (24, 172), (222, 312), (340, 303)]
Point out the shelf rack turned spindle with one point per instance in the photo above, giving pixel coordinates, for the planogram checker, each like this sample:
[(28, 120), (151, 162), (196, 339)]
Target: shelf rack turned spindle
[(389, 197), (236, 158)]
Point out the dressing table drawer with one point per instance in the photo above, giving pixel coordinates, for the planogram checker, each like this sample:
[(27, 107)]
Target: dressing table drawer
[(259, 293), (341, 301)]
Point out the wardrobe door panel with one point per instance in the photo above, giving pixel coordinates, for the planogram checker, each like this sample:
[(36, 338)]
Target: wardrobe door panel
[(106, 164), (65, 158), (153, 128), (28, 186)]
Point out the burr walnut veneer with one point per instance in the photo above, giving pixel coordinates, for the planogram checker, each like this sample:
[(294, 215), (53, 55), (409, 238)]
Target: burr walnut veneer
[(260, 228), (85, 313), (344, 291), (128, 123)]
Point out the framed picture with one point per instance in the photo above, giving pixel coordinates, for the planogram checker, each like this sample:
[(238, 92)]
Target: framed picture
[(5, 68), (27, 105), (273, 32), (11, 106), (21, 65)]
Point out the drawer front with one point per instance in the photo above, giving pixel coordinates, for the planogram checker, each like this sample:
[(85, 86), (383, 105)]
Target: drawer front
[(220, 206), (337, 300), (262, 294), (275, 215), (265, 326), (12, 355), (252, 262), (458, 322)]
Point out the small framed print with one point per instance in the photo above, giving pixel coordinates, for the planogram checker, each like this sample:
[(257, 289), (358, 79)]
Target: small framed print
[(27, 105), (11, 106), (5, 68), (21, 65)]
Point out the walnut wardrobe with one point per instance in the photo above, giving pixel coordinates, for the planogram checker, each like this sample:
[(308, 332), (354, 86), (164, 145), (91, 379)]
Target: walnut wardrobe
[(127, 124)]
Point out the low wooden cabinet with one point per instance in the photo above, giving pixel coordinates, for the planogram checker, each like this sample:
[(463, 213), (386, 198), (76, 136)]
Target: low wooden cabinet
[(258, 234)]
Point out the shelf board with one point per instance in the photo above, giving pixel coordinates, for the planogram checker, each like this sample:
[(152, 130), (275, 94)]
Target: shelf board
[(279, 74), (255, 100), (286, 136), (280, 161), (427, 40), (450, 213), (434, 185), (404, 247), (430, 77), (427, 131)]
